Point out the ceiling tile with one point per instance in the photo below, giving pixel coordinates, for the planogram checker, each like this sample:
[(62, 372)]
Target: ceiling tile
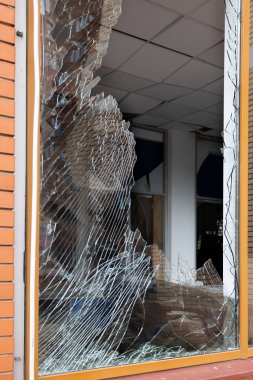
[(214, 133), (181, 6), (149, 120), (202, 118), (121, 47), (214, 55), (137, 104), (216, 87), (217, 109), (125, 81), (138, 18), (117, 94), (184, 36), (195, 74), (102, 71), (147, 134), (154, 63), (217, 126), (211, 13), (190, 128), (164, 91), (178, 126), (171, 111), (199, 100)]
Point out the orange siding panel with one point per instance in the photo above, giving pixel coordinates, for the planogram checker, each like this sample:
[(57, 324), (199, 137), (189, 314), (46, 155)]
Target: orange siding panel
[(7, 106), (6, 346), (6, 309), (6, 255), (7, 52), (7, 218), (7, 34), (7, 144), (6, 272), (6, 363), (6, 376), (6, 236), (7, 14), (6, 182), (7, 70), (7, 162), (6, 86), (6, 199), (6, 292), (8, 2), (7, 126), (6, 327)]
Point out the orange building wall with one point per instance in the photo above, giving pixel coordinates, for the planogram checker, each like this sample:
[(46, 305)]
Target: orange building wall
[(250, 207), (7, 169)]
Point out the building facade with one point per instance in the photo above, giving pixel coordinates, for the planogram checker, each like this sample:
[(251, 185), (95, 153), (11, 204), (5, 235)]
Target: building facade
[(125, 189)]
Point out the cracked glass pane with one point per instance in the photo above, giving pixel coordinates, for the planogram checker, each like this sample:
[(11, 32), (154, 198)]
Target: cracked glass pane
[(117, 196)]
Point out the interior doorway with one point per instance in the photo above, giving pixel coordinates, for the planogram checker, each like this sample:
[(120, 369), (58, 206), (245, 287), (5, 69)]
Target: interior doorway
[(168, 80)]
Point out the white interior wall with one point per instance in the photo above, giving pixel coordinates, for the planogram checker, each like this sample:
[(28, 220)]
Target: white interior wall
[(185, 155), (180, 180), (181, 209)]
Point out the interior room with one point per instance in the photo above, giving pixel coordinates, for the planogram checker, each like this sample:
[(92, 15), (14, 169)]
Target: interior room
[(164, 66)]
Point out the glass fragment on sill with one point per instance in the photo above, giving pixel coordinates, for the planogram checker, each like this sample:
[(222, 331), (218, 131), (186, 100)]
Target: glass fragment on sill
[(106, 298)]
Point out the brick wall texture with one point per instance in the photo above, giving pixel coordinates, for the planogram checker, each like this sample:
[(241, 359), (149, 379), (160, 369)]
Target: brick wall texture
[(7, 169)]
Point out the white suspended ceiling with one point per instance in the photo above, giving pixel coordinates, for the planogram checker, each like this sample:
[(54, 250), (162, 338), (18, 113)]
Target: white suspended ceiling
[(165, 64)]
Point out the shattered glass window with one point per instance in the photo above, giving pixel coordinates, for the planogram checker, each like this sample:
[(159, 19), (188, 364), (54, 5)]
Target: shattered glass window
[(109, 292)]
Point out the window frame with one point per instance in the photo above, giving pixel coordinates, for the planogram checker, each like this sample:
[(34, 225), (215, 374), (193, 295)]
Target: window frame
[(32, 223)]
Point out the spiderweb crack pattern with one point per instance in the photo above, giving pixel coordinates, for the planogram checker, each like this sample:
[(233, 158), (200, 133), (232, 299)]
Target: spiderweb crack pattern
[(102, 302)]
